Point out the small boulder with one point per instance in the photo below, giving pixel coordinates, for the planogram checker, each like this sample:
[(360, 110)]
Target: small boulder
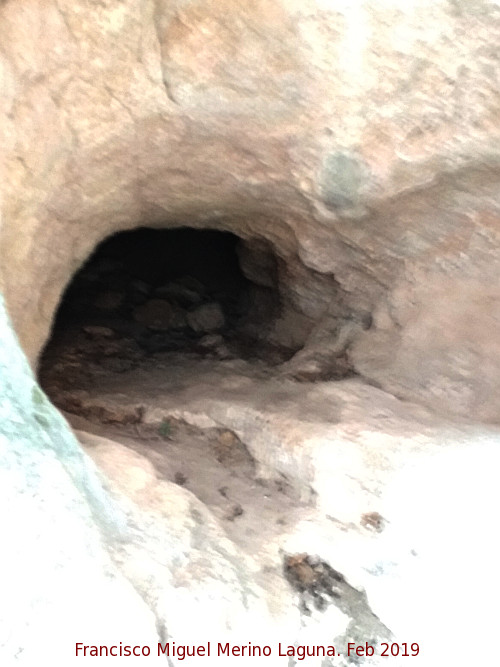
[(179, 293), (159, 315), (211, 342), (96, 332), (206, 318)]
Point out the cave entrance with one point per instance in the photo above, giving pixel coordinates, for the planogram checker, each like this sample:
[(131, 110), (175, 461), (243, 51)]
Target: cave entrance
[(151, 292), (155, 337)]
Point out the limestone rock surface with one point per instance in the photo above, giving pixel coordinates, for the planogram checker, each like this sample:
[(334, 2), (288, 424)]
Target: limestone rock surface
[(354, 148), (359, 141), (59, 584)]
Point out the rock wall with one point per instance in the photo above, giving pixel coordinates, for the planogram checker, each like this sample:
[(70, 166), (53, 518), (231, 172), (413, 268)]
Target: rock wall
[(360, 139), (135, 560), (57, 577)]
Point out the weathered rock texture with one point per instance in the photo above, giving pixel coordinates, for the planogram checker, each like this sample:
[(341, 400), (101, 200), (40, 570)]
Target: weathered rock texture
[(360, 140), (57, 579)]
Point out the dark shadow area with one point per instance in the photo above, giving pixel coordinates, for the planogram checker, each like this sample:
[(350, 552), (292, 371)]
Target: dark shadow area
[(164, 288), (148, 292)]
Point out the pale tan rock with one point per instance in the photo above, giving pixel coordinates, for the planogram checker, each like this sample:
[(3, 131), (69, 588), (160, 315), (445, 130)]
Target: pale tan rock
[(273, 122), (442, 346), (180, 555), (361, 142)]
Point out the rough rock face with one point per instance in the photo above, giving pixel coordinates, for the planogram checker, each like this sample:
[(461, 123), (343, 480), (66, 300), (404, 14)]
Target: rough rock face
[(54, 564), (59, 584), (359, 140), (354, 149)]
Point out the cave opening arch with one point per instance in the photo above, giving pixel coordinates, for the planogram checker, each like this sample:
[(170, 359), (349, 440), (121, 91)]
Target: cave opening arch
[(149, 291)]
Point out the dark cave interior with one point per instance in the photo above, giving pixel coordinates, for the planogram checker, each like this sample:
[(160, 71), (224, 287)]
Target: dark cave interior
[(152, 291)]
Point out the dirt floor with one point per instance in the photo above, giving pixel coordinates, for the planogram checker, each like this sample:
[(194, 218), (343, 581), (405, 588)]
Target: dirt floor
[(107, 386), (88, 377), (217, 468)]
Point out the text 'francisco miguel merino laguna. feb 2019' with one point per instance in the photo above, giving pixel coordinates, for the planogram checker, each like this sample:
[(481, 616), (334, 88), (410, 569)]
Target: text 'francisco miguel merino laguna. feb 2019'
[(220, 649)]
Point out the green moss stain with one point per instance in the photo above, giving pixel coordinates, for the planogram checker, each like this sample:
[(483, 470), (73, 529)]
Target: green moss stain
[(38, 397), (41, 408), (343, 180)]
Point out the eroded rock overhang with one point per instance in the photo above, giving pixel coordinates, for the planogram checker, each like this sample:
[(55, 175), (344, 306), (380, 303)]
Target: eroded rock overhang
[(370, 159), (360, 141)]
